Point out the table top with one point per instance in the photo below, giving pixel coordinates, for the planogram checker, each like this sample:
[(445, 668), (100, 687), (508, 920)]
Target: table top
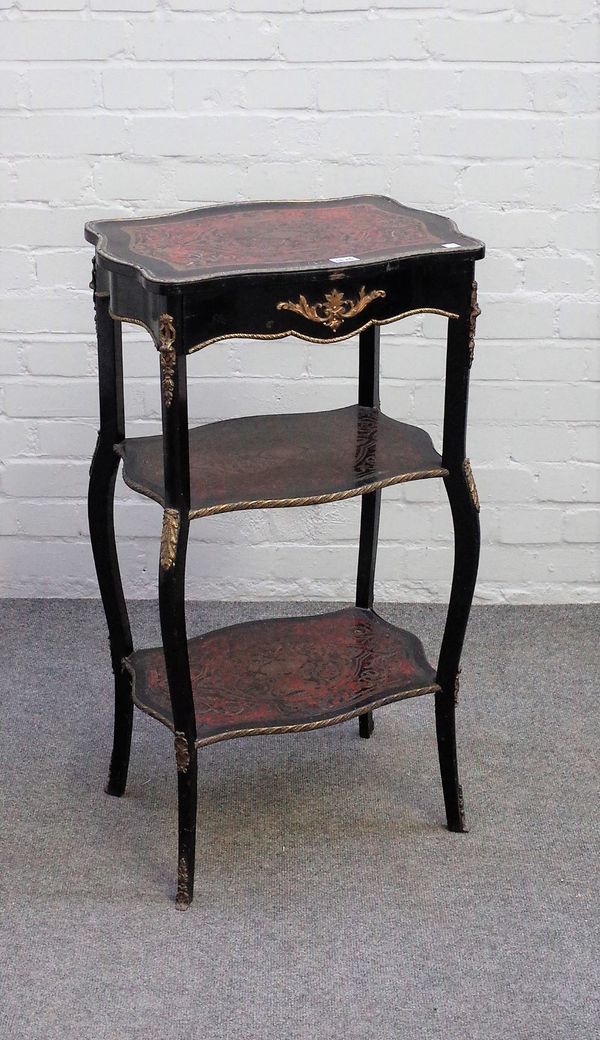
[(262, 237)]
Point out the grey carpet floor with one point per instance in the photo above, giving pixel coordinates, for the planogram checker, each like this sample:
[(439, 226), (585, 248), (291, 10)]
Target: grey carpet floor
[(331, 903)]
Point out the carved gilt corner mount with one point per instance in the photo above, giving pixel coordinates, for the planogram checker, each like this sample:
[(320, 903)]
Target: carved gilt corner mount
[(471, 483), (168, 357), (474, 313), (168, 539)]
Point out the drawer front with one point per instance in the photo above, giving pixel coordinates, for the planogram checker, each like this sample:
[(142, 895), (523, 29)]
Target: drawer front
[(324, 307)]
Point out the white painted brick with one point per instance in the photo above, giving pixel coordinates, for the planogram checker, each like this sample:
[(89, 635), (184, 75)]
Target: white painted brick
[(579, 231), (579, 319), (17, 270), (342, 90), (50, 180), (64, 439), (576, 8), (495, 89), (558, 274), (582, 137), (66, 87), (16, 436), (61, 39), (56, 359), (209, 87), (10, 88), (69, 268), (229, 135), (552, 442), (496, 182), (61, 312), (129, 180), (6, 181), (282, 180), (350, 39), (203, 182), (582, 525), (522, 524), (365, 134), (422, 183), (206, 39), (574, 189), (576, 483), (68, 134), (146, 87), (46, 477), (586, 443), (39, 226), (122, 111), (31, 399), (488, 135), (281, 88), (123, 5), (414, 90), (516, 317), (516, 41), (51, 5), (558, 91)]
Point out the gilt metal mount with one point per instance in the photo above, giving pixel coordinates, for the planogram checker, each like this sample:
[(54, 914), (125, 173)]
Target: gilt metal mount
[(168, 357), (474, 313), (334, 309), (168, 539)]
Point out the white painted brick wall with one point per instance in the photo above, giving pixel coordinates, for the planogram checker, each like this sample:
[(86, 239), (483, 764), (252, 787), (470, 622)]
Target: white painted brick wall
[(482, 110)]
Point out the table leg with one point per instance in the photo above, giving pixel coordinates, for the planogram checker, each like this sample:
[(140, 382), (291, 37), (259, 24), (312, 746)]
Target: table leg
[(368, 396), (464, 505), (171, 589), (103, 473)]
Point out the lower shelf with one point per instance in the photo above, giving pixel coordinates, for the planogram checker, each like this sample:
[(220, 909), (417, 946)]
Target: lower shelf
[(289, 674)]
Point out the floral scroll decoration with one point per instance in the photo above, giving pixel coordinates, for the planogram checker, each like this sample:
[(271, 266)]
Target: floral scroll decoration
[(334, 309), (168, 538), (168, 357), (474, 313)]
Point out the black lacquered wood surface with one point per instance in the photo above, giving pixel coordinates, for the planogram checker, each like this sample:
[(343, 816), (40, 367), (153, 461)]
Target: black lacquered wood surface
[(288, 674), (287, 460)]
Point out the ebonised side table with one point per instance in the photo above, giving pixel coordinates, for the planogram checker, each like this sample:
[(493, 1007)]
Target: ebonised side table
[(324, 272)]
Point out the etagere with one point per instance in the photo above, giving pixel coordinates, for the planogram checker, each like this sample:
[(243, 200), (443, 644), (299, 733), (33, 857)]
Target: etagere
[(324, 272)]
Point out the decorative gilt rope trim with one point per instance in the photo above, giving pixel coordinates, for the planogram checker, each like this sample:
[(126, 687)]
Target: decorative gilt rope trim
[(293, 332), (335, 309), (182, 752), (168, 538), (471, 483), (303, 727), (474, 313), (402, 695), (168, 357), (282, 503), (136, 321)]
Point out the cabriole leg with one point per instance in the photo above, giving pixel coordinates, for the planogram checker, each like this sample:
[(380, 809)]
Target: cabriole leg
[(103, 473), (464, 504), (171, 591), (368, 396)]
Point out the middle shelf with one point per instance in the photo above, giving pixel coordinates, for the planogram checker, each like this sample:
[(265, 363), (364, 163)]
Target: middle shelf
[(305, 458)]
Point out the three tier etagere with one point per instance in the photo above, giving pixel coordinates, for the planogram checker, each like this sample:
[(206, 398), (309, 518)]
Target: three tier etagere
[(324, 272)]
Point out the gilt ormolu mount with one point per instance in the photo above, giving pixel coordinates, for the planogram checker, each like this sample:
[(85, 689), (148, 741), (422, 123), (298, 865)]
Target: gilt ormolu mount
[(321, 271)]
